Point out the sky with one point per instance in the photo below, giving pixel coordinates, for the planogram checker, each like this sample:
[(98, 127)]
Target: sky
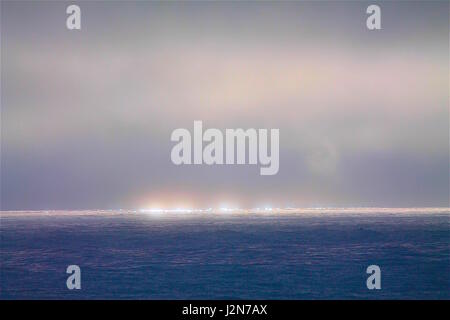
[(87, 115)]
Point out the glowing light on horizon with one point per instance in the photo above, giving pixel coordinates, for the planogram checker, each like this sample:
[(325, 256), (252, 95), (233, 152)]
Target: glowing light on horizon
[(220, 209)]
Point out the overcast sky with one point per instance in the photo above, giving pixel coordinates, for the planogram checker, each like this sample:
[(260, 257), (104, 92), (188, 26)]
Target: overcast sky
[(87, 115)]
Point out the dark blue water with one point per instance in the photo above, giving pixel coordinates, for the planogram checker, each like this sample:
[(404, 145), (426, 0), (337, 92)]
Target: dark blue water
[(226, 256)]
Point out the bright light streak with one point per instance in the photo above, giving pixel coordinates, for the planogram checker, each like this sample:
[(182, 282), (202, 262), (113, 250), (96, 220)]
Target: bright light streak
[(223, 209), (182, 210)]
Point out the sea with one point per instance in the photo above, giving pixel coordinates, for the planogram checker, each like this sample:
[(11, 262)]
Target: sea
[(318, 253)]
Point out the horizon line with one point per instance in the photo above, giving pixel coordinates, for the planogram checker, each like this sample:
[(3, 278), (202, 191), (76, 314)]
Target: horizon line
[(222, 210)]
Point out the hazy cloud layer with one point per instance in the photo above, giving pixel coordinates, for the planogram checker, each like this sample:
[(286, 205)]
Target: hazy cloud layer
[(87, 115)]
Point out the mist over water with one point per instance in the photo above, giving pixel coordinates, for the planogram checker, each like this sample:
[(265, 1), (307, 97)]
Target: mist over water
[(320, 254)]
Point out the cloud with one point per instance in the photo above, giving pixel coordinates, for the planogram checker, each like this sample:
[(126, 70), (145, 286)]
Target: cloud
[(87, 117)]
